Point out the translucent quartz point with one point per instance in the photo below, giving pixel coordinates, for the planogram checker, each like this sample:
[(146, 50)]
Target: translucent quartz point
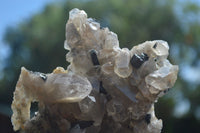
[(122, 63)]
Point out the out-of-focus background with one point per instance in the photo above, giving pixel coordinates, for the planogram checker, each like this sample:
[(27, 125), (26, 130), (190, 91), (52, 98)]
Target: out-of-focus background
[(32, 34)]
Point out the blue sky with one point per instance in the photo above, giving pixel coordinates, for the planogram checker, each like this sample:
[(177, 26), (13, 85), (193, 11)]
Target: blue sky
[(12, 12)]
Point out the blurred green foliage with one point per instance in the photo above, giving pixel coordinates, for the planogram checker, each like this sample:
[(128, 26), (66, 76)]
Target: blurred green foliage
[(38, 43)]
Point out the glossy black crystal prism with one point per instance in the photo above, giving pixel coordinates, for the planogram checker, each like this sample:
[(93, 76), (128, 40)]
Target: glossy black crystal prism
[(137, 60)]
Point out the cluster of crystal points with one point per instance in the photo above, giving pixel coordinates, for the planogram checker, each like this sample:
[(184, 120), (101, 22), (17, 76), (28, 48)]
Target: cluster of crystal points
[(105, 89)]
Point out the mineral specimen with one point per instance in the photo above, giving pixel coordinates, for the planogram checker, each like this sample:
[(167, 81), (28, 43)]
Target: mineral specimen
[(105, 89)]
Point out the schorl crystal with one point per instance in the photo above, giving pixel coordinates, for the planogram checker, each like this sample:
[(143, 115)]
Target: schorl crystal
[(101, 88), (94, 58), (155, 45), (138, 60), (148, 118)]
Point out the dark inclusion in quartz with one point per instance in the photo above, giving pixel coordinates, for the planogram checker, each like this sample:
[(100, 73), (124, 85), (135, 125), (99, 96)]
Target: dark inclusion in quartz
[(155, 45), (102, 89), (148, 118), (138, 59), (94, 58), (43, 76)]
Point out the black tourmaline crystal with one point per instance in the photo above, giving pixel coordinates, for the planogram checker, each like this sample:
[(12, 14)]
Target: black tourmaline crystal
[(138, 60), (148, 118), (93, 55)]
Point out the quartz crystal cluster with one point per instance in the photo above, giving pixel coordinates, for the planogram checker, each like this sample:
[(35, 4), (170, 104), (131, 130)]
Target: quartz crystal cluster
[(105, 89)]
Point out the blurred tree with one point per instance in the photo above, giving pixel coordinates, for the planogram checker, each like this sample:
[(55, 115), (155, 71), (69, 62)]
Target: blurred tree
[(38, 44)]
